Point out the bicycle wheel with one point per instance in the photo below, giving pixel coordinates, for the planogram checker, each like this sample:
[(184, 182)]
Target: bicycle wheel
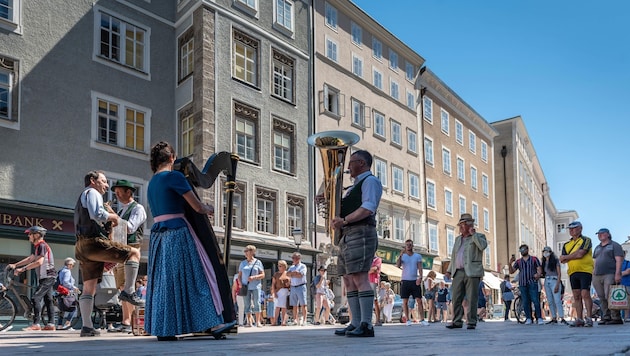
[(7, 311), (519, 310)]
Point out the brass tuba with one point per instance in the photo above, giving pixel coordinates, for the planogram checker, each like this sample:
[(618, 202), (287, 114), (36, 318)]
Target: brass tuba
[(332, 147)]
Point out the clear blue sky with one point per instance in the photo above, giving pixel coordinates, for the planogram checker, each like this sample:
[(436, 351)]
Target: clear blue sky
[(562, 65)]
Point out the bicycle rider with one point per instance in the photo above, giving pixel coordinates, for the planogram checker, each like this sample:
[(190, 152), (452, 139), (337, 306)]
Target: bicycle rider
[(43, 262)]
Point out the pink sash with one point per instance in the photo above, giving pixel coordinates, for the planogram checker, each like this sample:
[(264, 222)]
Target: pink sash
[(205, 261)]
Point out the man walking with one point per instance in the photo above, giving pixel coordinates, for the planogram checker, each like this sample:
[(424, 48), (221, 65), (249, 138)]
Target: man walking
[(467, 271), (93, 248), (411, 280), (43, 262), (297, 293), (135, 215), (608, 257), (530, 270), (576, 253), (358, 243)]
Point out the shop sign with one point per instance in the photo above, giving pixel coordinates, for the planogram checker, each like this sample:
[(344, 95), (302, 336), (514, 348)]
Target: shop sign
[(391, 256), (25, 221)]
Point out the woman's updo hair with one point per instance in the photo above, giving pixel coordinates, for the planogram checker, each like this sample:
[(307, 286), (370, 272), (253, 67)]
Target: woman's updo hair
[(160, 154)]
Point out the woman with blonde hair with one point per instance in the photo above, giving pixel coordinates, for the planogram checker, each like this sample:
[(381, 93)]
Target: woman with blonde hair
[(280, 290), (251, 272), (430, 287)]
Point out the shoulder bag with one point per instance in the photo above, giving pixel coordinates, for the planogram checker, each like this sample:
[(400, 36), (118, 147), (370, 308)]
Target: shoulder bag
[(243, 291)]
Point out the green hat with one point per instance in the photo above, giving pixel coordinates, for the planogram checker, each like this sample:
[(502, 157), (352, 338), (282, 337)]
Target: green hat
[(124, 183)]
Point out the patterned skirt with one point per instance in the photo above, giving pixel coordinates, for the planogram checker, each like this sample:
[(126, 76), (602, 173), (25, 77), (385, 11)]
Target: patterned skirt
[(179, 300)]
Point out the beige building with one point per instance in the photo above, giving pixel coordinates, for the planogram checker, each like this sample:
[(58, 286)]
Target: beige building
[(458, 161), (365, 83)]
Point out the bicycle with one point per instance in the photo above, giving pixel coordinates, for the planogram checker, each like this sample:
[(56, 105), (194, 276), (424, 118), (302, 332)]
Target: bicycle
[(518, 309)]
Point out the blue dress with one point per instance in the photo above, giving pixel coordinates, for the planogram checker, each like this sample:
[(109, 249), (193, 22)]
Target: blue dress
[(179, 299)]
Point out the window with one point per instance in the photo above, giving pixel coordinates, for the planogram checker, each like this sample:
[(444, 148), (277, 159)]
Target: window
[(446, 161), (412, 141), (472, 142), (433, 237), (295, 214), (561, 228), (377, 48), (357, 34), (486, 219), (8, 91), (393, 60), (459, 132), (396, 133), (186, 55), (10, 15), (265, 210), (378, 79), (246, 131), (249, 6), (475, 213), (394, 91), (283, 146), (445, 124), (484, 151), (379, 124), (284, 15), (411, 100), (122, 42), (462, 205), (461, 175), (121, 124), (414, 186), (397, 178), (428, 151), (410, 72), (331, 49), (331, 16), (431, 195), (381, 171), (238, 213), (399, 228), (413, 232), (331, 100), (484, 185), (450, 240), (187, 135), (283, 74), (448, 202), (473, 178), (357, 66), (245, 60), (358, 113), (427, 103)]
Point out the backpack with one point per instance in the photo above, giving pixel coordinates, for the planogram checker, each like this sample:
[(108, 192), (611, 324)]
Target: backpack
[(503, 287)]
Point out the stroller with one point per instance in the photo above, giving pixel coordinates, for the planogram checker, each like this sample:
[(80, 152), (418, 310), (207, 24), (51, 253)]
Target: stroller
[(107, 307)]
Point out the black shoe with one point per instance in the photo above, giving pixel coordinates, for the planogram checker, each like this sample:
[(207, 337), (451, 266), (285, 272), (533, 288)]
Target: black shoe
[(552, 321), (603, 322), (131, 298), (362, 331), (471, 327), (226, 327), (454, 326), (342, 332), (614, 322), (167, 338), (89, 332)]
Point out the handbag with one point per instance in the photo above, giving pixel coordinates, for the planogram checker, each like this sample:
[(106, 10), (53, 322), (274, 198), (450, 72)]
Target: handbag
[(243, 291), (617, 297)]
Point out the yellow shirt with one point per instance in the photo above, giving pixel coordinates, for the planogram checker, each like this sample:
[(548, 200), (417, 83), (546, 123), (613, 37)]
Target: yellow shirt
[(584, 264)]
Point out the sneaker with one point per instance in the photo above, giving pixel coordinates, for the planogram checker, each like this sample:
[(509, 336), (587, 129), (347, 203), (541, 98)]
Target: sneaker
[(131, 298), (85, 331), (113, 329), (563, 322), (408, 323), (541, 322), (552, 321), (49, 327), (528, 322), (588, 322), (424, 323), (577, 323), (615, 322), (125, 329), (34, 327)]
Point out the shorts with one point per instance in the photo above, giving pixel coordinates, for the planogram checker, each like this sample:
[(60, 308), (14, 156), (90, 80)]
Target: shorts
[(297, 296), (119, 271), (441, 305), (93, 252), (356, 249), (581, 280), (374, 287), (481, 303), (409, 288)]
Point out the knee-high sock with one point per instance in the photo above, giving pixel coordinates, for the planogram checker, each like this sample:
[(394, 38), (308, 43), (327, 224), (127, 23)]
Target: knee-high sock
[(355, 308), (131, 273), (366, 300), (86, 303)]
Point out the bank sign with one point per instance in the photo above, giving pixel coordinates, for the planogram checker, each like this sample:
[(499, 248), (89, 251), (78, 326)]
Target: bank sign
[(25, 221)]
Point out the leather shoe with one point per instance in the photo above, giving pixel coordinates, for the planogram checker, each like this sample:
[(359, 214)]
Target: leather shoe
[(342, 332), (362, 331), (454, 326), (226, 327), (471, 327), (614, 322)]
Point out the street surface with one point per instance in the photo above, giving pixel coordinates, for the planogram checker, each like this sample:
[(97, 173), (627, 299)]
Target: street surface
[(490, 338)]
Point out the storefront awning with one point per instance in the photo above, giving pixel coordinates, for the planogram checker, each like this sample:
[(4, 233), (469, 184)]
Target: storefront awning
[(393, 273), (491, 280)]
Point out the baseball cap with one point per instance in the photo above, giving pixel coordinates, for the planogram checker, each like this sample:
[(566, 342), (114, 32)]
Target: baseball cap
[(547, 249), (575, 224), (602, 230)]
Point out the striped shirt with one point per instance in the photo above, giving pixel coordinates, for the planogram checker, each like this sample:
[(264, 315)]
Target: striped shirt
[(527, 269)]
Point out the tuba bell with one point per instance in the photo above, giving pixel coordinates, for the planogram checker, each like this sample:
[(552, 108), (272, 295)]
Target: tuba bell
[(333, 146)]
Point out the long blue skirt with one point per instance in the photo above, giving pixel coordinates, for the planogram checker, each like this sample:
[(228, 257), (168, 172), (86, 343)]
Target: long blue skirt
[(178, 296)]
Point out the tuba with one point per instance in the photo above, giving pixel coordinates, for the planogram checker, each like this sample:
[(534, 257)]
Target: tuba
[(332, 147)]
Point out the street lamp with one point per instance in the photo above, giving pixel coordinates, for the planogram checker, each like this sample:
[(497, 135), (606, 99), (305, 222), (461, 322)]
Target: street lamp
[(297, 237)]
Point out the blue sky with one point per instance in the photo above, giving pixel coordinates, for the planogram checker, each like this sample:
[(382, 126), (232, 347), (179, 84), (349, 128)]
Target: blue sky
[(562, 65)]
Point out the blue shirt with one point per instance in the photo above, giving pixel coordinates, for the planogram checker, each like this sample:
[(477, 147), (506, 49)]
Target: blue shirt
[(409, 266), (300, 267), (371, 191), (248, 269), (625, 280), (165, 196)]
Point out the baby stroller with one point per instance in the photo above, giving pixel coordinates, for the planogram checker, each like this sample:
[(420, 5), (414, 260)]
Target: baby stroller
[(107, 307)]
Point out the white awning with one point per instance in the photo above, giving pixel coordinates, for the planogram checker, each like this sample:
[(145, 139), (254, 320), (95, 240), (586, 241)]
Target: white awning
[(491, 280), (393, 273)]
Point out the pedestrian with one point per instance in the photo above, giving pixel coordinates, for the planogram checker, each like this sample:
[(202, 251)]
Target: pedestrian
[(358, 242), (481, 301), (43, 262), (238, 299), (322, 309), (625, 281), (442, 302), (374, 275), (251, 272), (430, 289), (576, 253), (297, 294), (530, 270), (411, 281), (280, 285), (388, 302), (67, 303), (507, 295), (608, 259), (181, 275), (135, 215), (467, 271), (553, 286)]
